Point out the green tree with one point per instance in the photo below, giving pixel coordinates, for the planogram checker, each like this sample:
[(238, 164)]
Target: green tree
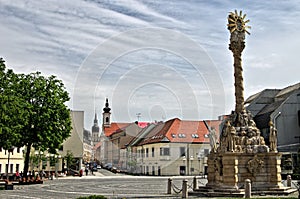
[(69, 157), (48, 122), (12, 114)]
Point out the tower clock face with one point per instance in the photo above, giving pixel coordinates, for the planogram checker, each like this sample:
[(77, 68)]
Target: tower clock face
[(237, 22)]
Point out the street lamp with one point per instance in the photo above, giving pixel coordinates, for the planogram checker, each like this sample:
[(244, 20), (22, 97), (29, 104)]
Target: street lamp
[(191, 159), (200, 157), (182, 172), (10, 150), (188, 159)]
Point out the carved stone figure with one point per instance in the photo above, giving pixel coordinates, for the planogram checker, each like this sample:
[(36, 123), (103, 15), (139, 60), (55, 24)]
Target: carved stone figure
[(224, 136), (231, 139), (255, 165), (213, 139), (273, 137)]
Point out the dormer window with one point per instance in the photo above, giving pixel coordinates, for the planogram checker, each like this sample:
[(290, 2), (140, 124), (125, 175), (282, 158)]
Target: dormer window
[(173, 135)]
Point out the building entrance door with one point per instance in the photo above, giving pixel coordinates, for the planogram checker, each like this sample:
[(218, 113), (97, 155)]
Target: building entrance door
[(182, 170)]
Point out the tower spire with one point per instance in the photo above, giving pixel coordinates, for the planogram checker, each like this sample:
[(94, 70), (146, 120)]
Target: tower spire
[(106, 109), (95, 119), (106, 114)]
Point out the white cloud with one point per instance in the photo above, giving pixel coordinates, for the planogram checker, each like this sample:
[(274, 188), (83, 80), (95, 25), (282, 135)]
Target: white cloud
[(58, 37)]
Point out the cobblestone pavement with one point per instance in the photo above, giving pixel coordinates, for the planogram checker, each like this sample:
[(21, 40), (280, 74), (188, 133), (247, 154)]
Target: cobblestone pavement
[(118, 186), (114, 186)]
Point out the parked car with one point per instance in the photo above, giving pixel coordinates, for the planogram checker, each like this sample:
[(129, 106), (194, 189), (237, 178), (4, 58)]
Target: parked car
[(98, 167), (114, 170), (108, 166)]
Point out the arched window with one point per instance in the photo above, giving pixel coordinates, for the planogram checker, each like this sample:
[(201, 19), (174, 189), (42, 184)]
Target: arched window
[(107, 119)]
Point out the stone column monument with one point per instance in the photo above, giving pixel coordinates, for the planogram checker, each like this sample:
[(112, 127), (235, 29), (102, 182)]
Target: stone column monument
[(242, 153)]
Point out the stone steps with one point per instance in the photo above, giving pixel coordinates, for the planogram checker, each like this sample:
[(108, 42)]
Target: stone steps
[(209, 192)]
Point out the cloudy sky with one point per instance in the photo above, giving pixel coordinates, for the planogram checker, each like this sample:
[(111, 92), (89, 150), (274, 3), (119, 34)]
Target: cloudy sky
[(162, 59)]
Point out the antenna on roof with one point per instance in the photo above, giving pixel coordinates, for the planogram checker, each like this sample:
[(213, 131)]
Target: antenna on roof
[(138, 115)]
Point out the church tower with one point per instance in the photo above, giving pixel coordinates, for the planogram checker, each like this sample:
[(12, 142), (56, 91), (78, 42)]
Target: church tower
[(95, 130), (106, 115)]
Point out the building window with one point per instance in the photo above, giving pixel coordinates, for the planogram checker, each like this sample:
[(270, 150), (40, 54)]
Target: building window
[(164, 151), (11, 168), (173, 135), (147, 170), (195, 136), (18, 167), (107, 119), (181, 135), (182, 151), (0, 168), (152, 151), (153, 170), (143, 153), (206, 152), (147, 152)]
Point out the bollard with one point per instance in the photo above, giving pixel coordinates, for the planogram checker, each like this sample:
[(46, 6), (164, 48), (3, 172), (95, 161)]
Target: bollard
[(195, 183), (184, 188), (247, 188), (289, 181), (169, 187)]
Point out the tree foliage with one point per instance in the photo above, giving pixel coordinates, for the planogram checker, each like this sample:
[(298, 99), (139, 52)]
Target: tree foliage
[(69, 157), (12, 114), (49, 122), (33, 112)]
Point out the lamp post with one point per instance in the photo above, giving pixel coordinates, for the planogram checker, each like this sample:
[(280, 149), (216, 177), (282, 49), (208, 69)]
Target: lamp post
[(199, 161), (182, 172), (200, 158), (8, 158), (188, 160), (191, 159)]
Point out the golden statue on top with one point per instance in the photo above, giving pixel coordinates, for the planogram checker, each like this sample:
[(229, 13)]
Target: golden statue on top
[(236, 22)]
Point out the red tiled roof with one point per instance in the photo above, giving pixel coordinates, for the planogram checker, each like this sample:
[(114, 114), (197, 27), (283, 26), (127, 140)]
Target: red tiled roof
[(157, 133), (143, 124), (188, 131), (114, 127), (177, 130)]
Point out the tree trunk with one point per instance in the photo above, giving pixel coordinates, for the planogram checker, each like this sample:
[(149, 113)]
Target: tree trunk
[(27, 158)]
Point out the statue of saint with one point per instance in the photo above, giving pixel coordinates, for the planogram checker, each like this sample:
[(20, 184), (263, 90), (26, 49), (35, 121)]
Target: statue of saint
[(273, 137), (213, 139), (231, 139), (224, 136)]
